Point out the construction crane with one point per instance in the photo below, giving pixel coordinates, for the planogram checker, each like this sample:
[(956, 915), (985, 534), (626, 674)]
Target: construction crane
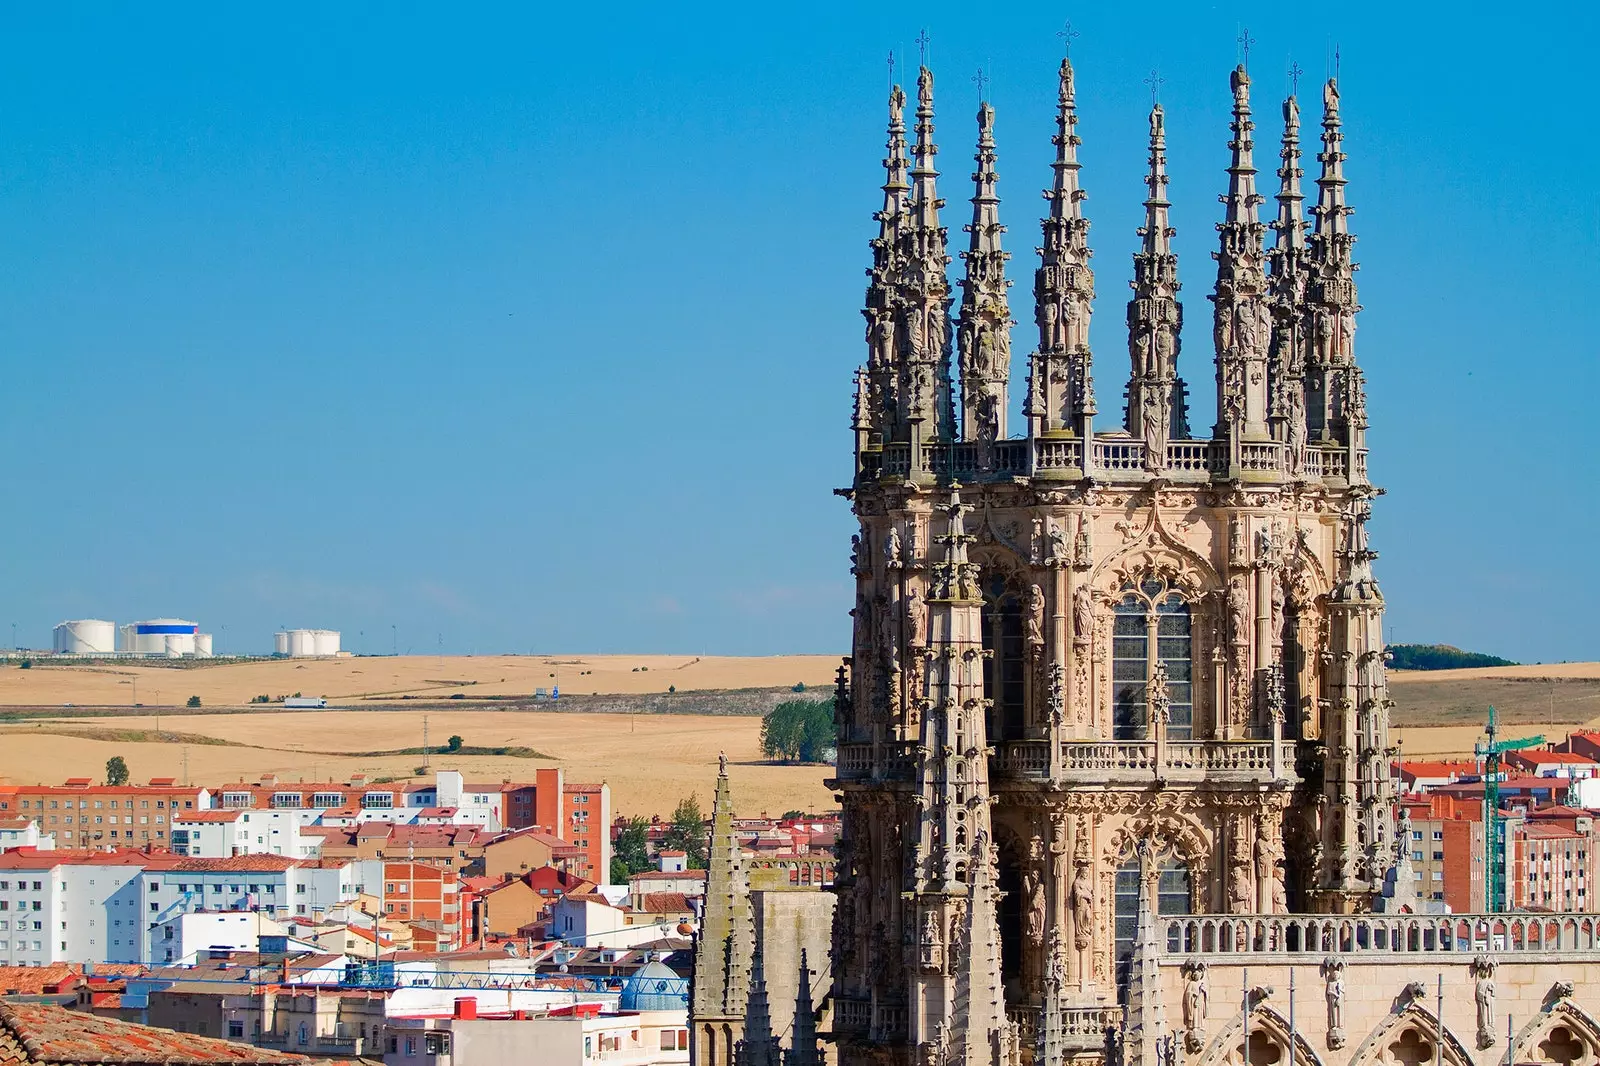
[(1495, 894)]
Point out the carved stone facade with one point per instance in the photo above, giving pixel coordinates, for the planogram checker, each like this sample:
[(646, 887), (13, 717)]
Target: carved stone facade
[(1096, 668)]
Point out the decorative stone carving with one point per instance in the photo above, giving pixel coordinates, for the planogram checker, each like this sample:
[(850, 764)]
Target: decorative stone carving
[(1333, 973), (916, 621), (1195, 998), (1082, 616), (1238, 604), (1483, 994), (1056, 695), (1035, 616), (1083, 544), (1083, 906), (1057, 554), (891, 549), (1034, 915), (932, 945)]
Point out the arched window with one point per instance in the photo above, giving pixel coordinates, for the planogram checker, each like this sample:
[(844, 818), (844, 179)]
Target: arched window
[(1005, 670), (1152, 624), (1173, 896)]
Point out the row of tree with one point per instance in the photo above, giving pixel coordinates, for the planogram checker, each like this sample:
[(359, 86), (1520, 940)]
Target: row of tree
[(799, 731)]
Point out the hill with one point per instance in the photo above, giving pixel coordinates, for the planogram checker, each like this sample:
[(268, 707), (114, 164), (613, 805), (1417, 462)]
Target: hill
[(1439, 657)]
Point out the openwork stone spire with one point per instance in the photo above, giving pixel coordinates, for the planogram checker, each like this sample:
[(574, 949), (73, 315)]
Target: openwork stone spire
[(724, 943), (1335, 399), (804, 1050), (924, 295), (1061, 378), (1287, 286), (984, 325), (1243, 321), (1155, 412), (759, 1046), (881, 414)]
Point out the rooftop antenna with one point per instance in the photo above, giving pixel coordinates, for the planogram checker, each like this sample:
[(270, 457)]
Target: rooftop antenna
[(1245, 41), (924, 42), (1067, 35), (1155, 81), (981, 80)]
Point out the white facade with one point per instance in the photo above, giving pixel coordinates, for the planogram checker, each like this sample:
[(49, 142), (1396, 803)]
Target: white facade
[(52, 911), (587, 923), (214, 835), (301, 643), (645, 1038), (25, 833), (86, 636), (185, 939), (278, 889)]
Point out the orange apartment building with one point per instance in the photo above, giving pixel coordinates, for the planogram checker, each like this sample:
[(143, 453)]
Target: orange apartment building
[(577, 813), (83, 814), (427, 898)]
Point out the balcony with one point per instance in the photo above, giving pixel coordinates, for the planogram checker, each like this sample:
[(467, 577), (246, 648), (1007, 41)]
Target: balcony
[(1142, 762), (1083, 1029), (1398, 937), (864, 763)]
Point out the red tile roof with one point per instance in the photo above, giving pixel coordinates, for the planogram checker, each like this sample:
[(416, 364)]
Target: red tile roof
[(36, 1033), (209, 816), (666, 903), (242, 863), (36, 980)]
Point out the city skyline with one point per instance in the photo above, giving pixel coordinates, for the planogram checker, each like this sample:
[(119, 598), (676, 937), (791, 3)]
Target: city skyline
[(501, 337)]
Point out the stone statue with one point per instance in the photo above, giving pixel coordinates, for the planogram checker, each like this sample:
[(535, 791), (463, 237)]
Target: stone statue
[(891, 549), (1333, 971), (722, 764), (1082, 615), (1057, 555), (932, 947), (1058, 854), (916, 619), (1155, 434), (1033, 891), (1195, 999), (1277, 609), (1241, 886), (1483, 996), (1036, 549), (1035, 616), (1083, 551), (1083, 908), (1295, 428), (887, 645), (1238, 612)]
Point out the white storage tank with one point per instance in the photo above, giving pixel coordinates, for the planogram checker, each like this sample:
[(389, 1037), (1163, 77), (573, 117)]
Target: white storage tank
[(325, 641), (300, 643), (305, 643), (280, 643), (172, 637), (202, 645), (86, 636)]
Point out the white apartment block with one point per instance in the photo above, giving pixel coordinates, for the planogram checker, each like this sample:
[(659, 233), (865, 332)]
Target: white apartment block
[(225, 833), (68, 907)]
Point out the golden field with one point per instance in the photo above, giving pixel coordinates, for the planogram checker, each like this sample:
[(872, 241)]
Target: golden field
[(381, 679)]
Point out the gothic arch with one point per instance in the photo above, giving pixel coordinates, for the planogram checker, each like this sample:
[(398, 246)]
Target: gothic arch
[(1155, 550), (1565, 1034), (1402, 1038), (1224, 1049), (1305, 581), (1170, 834)]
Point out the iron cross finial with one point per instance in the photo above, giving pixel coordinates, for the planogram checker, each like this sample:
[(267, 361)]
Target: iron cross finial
[(891, 66), (981, 80), (923, 41), (1294, 76), (1154, 81), (1245, 41), (1067, 35)]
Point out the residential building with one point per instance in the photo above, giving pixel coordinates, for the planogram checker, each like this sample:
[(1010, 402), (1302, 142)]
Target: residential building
[(220, 833), (83, 814), (588, 825), (427, 898), (1541, 763), (540, 802), (587, 919), (24, 833), (570, 1037), (459, 848), (70, 906), (191, 936), (515, 853), (39, 1033), (322, 1021), (276, 885), (689, 882)]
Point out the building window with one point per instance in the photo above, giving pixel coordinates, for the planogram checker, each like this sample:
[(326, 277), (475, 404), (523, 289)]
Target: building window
[(1005, 671), (1151, 624), (235, 1029)]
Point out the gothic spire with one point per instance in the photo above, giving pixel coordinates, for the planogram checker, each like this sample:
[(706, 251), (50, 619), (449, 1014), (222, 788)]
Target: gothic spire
[(803, 1047), (925, 292), (1287, 285), (1242, 319), (1063, 286), (759, 1045), (725, 938), (1155, 411), (1334, 404), (1290, 227), (882, 328), (984, 324)]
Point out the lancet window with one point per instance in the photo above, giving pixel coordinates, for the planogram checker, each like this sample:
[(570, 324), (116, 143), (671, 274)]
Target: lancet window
[(1005, 670), (1174, 895), (1152, 624)]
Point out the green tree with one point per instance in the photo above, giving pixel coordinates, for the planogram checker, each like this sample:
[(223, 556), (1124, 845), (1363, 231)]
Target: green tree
[(116, 770), (194, 701), (687, 832), (799, 730), (631, 850), (454, 743)]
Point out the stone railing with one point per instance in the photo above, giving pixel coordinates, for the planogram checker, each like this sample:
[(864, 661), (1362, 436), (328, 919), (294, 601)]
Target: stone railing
[(1118, 456), (1177, 760), (1082, 1028), (1192, 457), (880, 762), (1054, 455), (889, 1023), (852, 1015), (1021, 758), (1378, 934)]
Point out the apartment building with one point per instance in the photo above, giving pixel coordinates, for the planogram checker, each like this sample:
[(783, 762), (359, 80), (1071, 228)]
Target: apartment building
[(82, 814), (219, 834), (426, 897), (588, 826), (69, 906)]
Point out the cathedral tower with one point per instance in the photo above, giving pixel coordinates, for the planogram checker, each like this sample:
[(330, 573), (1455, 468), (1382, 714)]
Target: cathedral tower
[(1098, 671)]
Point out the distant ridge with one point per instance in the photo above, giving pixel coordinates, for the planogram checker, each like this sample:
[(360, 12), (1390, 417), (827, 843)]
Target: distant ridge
[(1439, 657)]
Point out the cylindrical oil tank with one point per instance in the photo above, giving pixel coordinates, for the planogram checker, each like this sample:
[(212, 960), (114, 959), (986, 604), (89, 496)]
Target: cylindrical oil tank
[(160, 636), (325, 641), (86, 636), (202, 645), (280, 643), (300, 643)]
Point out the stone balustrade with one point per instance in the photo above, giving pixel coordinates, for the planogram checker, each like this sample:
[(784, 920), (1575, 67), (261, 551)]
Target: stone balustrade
[(851, 1015), (1082, 1028), (1380, 934), (1114, 458), (1109, 762)]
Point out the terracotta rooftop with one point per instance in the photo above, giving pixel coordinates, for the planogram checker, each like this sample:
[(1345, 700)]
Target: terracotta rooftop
[(35, 1033), (242, 863), (681, 875), (34, 859), (668, 903), (37, 980), (209, 816)]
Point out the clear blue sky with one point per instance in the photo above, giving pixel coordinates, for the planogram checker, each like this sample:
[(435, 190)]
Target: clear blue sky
[(535, 331)]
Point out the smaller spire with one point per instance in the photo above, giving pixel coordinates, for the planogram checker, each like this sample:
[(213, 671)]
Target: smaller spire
[(803, 1047), (925, 199), (1157, 231), (1290, 227), (1331, 210), (1242, 198), (984, 324)]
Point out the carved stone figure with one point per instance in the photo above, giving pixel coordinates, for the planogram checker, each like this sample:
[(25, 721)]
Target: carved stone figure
[(1333, 972), (1238, 612), (1277, 609), (1082, 615), (1195, 999), (1036, 547), (1034, 916), (1057, 555), (1082, 546), (916, 619), (1155, 433), (1083, 907), (1035, 616), (932, 945), (1483, 996), (891, 549)]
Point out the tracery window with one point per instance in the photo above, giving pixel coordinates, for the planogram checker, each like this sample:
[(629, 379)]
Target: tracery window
[(1005, 670), (1151, 624), (1173, 896)]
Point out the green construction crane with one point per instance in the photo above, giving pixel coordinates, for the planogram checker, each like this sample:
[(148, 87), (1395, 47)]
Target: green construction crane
[(1495, 896)]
